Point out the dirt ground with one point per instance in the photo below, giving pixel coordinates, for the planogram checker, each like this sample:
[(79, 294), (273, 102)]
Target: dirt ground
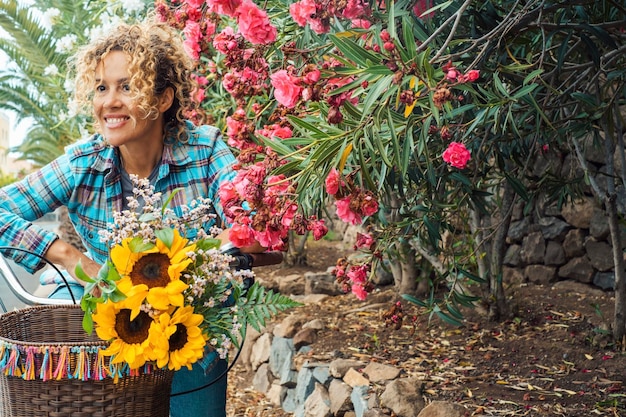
[(553, 357)]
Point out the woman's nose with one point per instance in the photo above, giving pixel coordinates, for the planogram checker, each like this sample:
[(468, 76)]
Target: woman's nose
[(112, 99)]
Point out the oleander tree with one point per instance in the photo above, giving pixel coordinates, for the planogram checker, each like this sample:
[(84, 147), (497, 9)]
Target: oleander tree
[(417, 120)]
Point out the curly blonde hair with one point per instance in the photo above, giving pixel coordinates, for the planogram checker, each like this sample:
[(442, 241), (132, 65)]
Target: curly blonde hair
[(157, 60)]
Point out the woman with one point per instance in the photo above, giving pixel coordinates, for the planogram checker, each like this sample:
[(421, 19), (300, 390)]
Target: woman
[(137, 83)]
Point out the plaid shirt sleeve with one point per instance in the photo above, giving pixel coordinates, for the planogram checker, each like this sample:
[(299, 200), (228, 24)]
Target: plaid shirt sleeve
[(27, 200)]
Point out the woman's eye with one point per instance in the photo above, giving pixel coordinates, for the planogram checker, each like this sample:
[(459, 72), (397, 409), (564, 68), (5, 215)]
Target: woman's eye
[(126, 88), (100, 88)]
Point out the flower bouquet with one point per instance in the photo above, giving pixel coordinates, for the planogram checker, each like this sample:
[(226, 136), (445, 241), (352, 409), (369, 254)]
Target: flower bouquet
[(167, 296)]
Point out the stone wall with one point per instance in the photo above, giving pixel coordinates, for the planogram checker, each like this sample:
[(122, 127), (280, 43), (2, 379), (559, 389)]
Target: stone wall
[(309, 386), (548, 244)]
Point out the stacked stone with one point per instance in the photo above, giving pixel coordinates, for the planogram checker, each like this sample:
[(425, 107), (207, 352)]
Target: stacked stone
[(338, 387), (548, 244)]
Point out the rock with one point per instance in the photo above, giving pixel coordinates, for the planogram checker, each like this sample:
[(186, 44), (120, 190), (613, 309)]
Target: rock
[(555, 255), (276, 394), (403, 396), (599, 226), (378, 372), (263, 378), (604, 280), (304, 337), (291, 284), (318, 403), (540, 274), (359, 399), (248, 347), (261, 350), (574, 243), (339, 367), (533, 248), (512, 256), (281, 360), (579, 213), (321, 283), (518, 230), (600, 254), (315, 324), (512, 275), (579, 269), (553, 228), (355, 379), (443, 409), (289, 326), (339, 393)]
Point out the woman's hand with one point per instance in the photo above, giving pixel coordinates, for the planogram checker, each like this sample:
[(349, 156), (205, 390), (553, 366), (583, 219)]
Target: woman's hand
[(68, 257)]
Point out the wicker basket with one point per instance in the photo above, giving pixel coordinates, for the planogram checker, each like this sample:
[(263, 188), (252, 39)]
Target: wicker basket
[(49, 366)]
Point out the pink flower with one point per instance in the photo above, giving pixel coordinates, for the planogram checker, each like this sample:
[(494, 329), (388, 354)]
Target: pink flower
[(225, 40), (364, 240), (195, 3), (456, 155), (227, 192), (286, 89), (226, 7), (358, 274), (333, 182), (421, 6), (193, 36), (359, 291), (361, 23), (302, 11), (472, 75), (355, 9), (312, 76), (319, 229), (254, 24), (452, 74), (277, 185), (345, 213), (289, 214), (241, 235), (268, 238), (369, 205)]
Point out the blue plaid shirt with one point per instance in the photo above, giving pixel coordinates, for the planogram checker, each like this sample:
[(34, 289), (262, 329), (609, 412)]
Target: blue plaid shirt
[(87, 179)]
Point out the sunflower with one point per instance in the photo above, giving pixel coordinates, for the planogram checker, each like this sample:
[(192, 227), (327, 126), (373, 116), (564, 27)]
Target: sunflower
[(183, 342), (131, 337), (156, 270)]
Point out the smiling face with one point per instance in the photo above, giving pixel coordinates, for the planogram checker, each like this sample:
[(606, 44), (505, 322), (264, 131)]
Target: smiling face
[(121, 121)]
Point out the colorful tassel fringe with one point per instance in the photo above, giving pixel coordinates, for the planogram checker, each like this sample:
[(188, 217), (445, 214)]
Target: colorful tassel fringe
[(63, 362)]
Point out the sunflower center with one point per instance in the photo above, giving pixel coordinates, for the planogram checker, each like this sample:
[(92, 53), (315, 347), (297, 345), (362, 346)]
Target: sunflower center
[(179, 338), (132, 331), (151, 270)]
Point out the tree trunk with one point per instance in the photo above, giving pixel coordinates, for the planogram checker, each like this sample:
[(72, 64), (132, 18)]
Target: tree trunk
[(404, 269), (296, 252)]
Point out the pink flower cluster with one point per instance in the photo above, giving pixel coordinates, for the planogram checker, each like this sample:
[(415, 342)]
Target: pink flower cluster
[(352, 202), (262, 207), (456, 155), (318, 14), (254, 25), (455, 76), (353, 278)]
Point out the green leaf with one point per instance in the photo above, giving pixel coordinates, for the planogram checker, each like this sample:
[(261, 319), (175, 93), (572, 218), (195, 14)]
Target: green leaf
[(166, 236), (138, 245), (354, 52), (374, 94), (88, 323), (471, 276), (414, 300), (81, 274)]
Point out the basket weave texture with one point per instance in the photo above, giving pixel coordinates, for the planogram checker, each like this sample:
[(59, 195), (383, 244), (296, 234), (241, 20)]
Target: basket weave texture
[(49, 366)]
